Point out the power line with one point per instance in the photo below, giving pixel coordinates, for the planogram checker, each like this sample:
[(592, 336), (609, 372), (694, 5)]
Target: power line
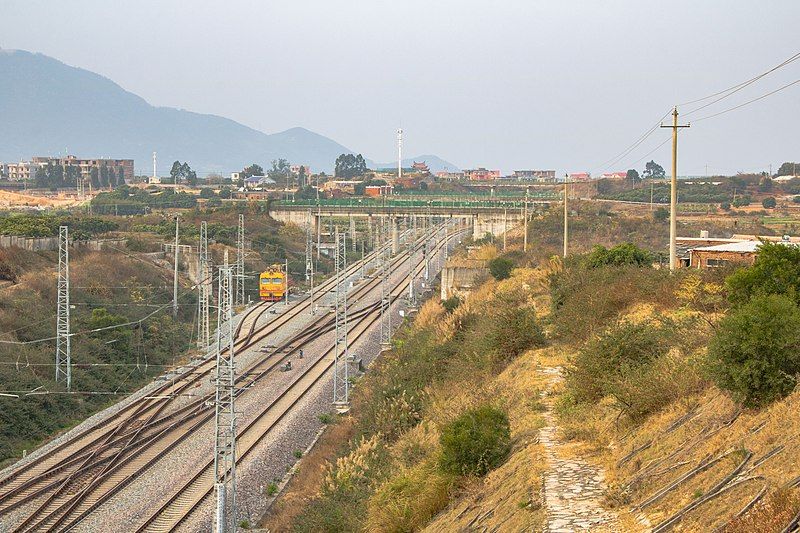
[(748, 102), (639, 140), (736, 88)]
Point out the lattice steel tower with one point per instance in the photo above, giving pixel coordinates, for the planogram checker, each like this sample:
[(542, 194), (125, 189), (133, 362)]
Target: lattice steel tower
[(204, 290), (412, 248), (63, 355), (341, 382), (309, 256), (240, 262), (384, 253), (225, 415)]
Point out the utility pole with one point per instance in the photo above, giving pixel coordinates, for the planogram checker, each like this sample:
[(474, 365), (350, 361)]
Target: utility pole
[(286, 281), (505, 226), (341, 378), (525, 224), (63, 353), (399, 153), (566, 222), (175, 275), (204, 289), (240, 262), (319, 225), (309, 257), (224, 414), (673, 197), (353, 232)]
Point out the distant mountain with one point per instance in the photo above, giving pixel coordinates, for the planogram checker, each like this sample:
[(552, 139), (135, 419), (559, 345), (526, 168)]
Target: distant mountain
[(435, 163), (47, 107)]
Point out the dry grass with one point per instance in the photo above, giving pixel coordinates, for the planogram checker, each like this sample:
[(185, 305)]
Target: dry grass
[(308, 479), (509, 497)]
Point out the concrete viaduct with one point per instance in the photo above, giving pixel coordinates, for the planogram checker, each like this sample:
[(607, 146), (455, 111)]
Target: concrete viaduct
[(495, 219)]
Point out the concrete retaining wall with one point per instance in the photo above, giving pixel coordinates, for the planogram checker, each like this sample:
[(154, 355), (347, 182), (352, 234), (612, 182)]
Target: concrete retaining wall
[(44, 244), (460, 280)]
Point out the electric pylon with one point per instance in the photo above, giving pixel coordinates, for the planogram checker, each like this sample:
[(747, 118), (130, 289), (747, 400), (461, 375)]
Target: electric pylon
[(63, 354), (240, 262), (412, 248), (309, 257), (225, 415), (341, 383), (384, 252), (204, 289)]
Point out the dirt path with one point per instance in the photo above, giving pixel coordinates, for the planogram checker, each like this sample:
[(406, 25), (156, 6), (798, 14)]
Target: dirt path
[(573, 488)]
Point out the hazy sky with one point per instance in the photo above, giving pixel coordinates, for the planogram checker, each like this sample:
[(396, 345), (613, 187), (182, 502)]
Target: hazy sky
[(504, 84)]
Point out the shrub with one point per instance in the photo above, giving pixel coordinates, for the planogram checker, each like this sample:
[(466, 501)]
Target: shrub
[(661, 214), (585, 300), (622, 254), (776, 271), (755, 351), (514, 331), (475, 442), (451, 304), (725, 206), (612, 357), (741, 201), (796, 199), (769, 202), (500, 268)]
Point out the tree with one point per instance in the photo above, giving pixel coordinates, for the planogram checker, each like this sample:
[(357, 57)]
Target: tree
[(755, 353), (350, 166), (653, 170), (104, 176), (622, 254), (252, 170), (182, 172), (661, 214), (94, 177), (788, 169), (633, 176), (500, 268), (301, 177), (280, 171), (769, 202), (776, 271)]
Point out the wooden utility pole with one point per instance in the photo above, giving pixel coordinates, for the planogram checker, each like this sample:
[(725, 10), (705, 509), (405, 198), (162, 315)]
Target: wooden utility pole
[(673, 197), (566, 223), (525, 218)]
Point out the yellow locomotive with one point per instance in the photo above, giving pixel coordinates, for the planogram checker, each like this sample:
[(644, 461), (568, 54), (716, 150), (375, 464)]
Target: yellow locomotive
[(272, 284)]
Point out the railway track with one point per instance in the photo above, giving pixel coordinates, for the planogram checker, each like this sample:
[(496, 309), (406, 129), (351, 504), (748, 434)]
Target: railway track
[(66, 487), (145, 410), (176, 509)]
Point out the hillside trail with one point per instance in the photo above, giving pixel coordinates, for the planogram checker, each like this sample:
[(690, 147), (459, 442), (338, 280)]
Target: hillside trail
[(573, 488)]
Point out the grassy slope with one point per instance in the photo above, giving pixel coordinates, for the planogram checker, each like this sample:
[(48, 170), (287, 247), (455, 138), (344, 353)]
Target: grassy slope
[(28, 302)]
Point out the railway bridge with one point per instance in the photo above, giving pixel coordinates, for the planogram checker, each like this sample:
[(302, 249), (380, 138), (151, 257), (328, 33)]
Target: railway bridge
[(494, 216)]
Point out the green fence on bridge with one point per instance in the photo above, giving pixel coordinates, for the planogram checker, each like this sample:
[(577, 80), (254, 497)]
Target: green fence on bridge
[(414, 201)]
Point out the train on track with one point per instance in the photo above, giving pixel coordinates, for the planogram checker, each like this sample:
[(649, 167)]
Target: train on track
[(272, 284)]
